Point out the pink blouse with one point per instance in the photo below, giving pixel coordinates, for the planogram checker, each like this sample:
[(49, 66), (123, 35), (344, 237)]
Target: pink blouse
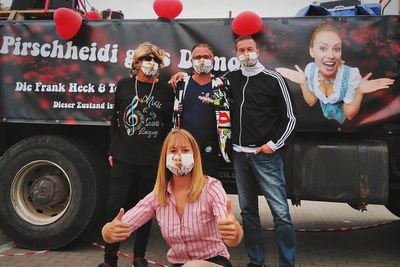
[(195, 236)]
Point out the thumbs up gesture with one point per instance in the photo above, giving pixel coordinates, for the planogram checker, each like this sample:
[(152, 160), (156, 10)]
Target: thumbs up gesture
[(229, 228), (116, 230)]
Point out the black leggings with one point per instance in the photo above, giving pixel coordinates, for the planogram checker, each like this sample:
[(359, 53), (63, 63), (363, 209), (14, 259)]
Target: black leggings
[(217, 260)]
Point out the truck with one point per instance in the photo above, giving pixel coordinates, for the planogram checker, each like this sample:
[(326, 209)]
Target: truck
[(56, 99)]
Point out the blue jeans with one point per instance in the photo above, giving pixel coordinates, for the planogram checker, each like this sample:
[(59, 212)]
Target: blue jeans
[(264, 172)]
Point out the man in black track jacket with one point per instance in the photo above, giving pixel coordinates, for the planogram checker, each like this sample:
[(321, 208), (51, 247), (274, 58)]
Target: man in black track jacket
[(263, 118)]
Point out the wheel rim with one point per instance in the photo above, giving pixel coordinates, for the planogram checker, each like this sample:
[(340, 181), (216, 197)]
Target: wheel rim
[(41, 192)]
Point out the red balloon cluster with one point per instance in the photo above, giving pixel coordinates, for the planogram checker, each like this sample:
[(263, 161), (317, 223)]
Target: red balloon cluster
[(247, 23), (167, 9), (68, 22)]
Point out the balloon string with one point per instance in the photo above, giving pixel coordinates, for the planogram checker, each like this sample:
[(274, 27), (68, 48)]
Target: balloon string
[(46, 6), (83, 6)]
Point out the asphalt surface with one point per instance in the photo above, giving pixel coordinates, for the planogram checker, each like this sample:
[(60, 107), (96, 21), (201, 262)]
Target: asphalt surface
[(328, 235)]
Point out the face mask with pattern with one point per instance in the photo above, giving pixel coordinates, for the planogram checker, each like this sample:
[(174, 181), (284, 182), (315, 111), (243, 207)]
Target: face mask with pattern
[(202, 66), (180, 164), (250, 60), (148, 68)]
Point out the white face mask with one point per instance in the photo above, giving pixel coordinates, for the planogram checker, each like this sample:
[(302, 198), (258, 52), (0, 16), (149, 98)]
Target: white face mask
[(202, 66), (148, 68), (249, 61), (180, 164)]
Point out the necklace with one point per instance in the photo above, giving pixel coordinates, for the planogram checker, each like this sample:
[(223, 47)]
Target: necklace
[(326, 81), (326, 85), (145, 97)]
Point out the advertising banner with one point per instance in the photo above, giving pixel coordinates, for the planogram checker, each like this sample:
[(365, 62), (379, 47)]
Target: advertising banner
[(45, 79)]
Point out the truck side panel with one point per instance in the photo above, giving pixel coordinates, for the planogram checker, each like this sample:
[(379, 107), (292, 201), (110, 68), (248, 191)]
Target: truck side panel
[(73, 82)]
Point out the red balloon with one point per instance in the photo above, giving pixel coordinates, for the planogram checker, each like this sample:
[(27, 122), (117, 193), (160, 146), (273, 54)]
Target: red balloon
[(68, 22), (247, 23), (93, 15), (168, 9)]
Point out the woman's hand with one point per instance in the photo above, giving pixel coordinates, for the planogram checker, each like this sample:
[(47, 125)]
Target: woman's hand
[(110, 160), (229, 228), (369, 86), (116, 230), (298, 76)]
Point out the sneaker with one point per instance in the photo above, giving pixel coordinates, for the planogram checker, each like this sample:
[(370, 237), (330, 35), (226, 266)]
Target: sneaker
[(255, 265), (105, 264), (140, 262)]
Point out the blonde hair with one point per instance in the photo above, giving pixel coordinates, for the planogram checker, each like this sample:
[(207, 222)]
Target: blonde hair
[(175, 137), (323, 28), (145, 49)]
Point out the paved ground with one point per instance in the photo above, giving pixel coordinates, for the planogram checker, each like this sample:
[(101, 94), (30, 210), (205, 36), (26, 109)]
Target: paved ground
[(325, 238), (3, 238)]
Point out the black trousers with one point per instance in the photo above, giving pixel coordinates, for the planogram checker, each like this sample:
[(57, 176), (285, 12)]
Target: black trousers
[(211, 162), (128, 184)]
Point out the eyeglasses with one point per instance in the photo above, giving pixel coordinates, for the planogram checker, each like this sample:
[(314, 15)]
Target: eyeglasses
[(149, 58), (201, 56)]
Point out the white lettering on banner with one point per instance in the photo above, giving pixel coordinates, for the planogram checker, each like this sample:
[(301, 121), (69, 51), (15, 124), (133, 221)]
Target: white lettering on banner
[(185, 61), (40, 87), (78, 88), (113, 88), (110, 105), (128, 58), (220, 63), (233, 64), (25, 87), (82, 105), (107, 53), (59, 104), (88, 88)]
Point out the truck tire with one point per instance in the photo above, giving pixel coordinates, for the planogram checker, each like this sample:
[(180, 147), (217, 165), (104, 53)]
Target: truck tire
[(49, 192)]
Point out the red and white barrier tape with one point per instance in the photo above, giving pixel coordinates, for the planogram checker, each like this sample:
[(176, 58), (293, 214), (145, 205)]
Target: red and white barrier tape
[(93, 243), (23, 254), (129, 256), (349, 228)]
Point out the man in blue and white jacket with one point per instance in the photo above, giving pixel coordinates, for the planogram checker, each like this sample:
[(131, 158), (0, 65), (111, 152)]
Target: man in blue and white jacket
[(262, 120), (201, 107)]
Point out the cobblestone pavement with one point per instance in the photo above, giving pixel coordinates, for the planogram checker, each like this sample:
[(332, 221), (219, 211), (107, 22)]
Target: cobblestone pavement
[(326, 237)]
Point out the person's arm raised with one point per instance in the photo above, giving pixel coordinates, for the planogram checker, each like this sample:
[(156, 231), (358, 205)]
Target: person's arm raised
[(116, 230), (173, 81), (298, 76), (229, 228), (366, 86), (369, 86)]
